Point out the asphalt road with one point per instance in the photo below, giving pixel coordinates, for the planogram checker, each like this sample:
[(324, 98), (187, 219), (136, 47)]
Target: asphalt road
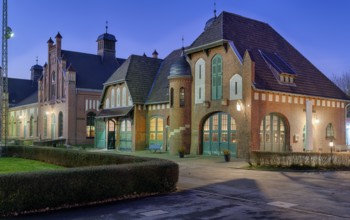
[(209, 188)]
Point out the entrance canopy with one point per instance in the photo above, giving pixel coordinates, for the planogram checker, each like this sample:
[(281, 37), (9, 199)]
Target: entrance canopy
[(116, 112)]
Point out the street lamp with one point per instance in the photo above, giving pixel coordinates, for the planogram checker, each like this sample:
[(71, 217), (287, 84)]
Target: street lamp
[(331, 144)]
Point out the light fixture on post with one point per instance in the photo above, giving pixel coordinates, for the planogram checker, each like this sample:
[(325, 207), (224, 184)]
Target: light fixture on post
[(331, 144)]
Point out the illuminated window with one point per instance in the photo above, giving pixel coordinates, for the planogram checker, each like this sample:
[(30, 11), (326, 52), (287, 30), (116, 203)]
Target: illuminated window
[(182, 97), (90, 125)]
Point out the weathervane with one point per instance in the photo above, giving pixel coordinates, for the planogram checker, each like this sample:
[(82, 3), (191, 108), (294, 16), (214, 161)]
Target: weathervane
[(214, 9), (106, 27)]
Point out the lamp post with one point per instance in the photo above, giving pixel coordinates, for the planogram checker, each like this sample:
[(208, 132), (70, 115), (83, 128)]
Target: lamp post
[(331, 144)]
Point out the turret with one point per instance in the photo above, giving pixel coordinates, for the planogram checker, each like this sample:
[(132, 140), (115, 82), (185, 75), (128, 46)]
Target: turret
[(106, 45), (180, 81)]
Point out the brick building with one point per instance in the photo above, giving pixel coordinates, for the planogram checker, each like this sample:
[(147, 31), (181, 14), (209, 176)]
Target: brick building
[(239, 86)]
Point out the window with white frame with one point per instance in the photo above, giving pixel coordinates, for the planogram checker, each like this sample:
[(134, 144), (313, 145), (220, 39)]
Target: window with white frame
[(118, 97), (199, 81), (236, 87), (124, 96), (112, 98)]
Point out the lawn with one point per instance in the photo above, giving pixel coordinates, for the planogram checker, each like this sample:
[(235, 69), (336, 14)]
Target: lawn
[(11, 164)]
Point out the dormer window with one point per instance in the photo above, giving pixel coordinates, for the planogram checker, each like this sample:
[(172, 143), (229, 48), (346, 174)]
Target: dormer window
[(280, 68)]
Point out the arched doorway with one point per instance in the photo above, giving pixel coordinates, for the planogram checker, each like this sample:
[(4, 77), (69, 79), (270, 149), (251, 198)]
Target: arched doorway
[(219, 133), (274, 133), (125, 135)]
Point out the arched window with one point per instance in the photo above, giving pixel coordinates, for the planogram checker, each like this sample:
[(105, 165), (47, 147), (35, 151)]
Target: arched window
[(18, 126), (60, 124), (112, 99), (330, 132), (273, 133), (53, 85), (118, 97), (31, 126), (124, 96), (182, 97), (156, 130), (216, 78), (90, 125), (45, 125), (199, 81), (53, 126), (236, 87), (171, 97), (107, 103)]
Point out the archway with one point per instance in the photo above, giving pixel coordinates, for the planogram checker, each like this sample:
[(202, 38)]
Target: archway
[(219, 133), (274, 133)]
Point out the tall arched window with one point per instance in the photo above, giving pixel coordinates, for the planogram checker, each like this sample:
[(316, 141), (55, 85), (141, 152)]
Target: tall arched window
[(124, 96), (216, 78), (45, 125), (118, 97), (156, 130), (90, 125), (53, 126), (171, 97), (53, 85), (60, 124), (112, 98), (31, 126), (182, 97), (199, 81)]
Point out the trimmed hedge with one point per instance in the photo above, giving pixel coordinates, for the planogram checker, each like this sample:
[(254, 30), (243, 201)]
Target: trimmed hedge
[(97, 177), (301, 159)]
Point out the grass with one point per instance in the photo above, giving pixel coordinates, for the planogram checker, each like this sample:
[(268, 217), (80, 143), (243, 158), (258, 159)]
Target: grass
[(11, 165)]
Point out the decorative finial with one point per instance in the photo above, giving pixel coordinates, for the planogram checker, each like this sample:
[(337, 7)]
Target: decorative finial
[(36, 60), (183, 48), (214, 9), (182, 39), (106, 27)]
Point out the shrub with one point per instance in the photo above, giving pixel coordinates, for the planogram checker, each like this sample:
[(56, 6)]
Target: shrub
[(96, 177)]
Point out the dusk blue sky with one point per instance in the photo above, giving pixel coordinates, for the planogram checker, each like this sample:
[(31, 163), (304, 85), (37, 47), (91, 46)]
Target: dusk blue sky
[(319, 29)]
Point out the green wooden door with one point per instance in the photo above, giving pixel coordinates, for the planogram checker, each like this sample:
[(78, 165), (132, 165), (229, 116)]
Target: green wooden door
[(219, 133), (100, 134), (125, 136)]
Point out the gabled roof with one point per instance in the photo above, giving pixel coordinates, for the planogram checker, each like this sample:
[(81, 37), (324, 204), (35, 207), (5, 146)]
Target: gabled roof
[(160, 88), (138, 72), (254, 36), (20, 89), (31, 99), (91, 70)]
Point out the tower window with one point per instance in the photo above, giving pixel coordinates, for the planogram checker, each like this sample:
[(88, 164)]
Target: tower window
[(182, 97)]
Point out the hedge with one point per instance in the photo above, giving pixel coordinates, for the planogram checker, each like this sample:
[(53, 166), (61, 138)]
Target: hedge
[(97, 177), (301, 159)]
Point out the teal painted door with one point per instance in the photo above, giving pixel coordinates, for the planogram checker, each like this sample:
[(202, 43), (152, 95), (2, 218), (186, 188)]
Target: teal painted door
[(125, 136), (219, 133), (100, 134)]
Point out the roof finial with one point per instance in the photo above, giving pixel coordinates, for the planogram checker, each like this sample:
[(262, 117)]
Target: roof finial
[(106, 27), (36, 60), (214, 8), (183, 48)]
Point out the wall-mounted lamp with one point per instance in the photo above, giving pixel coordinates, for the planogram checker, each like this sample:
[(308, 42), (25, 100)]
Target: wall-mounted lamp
[(47, 113), (239, 106)]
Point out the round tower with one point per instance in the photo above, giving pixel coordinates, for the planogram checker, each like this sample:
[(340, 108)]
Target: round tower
[(180, 81)]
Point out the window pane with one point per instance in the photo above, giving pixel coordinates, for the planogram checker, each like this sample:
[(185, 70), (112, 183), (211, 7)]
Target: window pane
[(224, 137), (233, 124), (206, 136), (160, 124), (215, 125), (224, 122), (215, 137), (152, 125), (152, 136), (128, 125), (233, 137), (159, 136), (206, 125)]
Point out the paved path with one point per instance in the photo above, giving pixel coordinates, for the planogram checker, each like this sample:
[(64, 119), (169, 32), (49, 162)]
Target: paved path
[(209, 188)]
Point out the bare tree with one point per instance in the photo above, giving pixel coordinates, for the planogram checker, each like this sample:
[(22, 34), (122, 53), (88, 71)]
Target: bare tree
[(343, 82)]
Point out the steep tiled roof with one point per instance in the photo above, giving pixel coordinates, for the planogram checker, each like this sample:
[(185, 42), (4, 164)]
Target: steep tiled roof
[(254, 36), (31, 99), (160, 88), (92, 71), (138, 72), (19, 89)]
